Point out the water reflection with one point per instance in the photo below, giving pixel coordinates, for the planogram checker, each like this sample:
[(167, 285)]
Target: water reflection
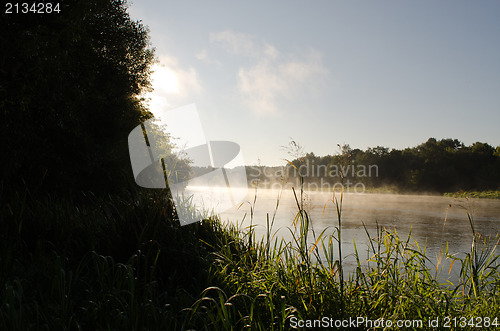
[(432, 220)]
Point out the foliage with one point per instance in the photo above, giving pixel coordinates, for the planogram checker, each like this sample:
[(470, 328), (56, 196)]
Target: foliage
[(475, 194), (121, 265), (436, 166), (69, 86)]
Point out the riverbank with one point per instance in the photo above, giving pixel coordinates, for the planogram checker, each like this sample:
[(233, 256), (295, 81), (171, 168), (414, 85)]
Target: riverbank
[(126, 264), (488, 194), (493, 194)]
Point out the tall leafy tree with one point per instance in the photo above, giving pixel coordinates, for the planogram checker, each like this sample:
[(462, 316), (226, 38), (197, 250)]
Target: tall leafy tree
[(69, 87)]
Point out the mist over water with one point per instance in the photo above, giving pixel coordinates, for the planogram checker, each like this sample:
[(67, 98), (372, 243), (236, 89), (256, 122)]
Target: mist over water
[(432, 220)]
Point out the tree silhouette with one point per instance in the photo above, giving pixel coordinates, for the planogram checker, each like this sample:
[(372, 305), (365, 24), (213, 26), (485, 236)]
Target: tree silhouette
[(69, 87)]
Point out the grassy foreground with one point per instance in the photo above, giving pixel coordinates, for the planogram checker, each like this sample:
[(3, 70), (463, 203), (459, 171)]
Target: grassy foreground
[(125, 264)]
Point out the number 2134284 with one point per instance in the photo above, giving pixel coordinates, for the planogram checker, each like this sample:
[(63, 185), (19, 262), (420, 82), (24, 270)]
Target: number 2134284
[(32, 8)]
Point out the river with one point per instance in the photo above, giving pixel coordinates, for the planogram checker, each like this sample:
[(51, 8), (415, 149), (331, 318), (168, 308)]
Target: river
[(432, 220)]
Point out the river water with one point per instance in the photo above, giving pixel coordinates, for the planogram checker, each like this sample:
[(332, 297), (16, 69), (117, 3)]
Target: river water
[(432, 220)]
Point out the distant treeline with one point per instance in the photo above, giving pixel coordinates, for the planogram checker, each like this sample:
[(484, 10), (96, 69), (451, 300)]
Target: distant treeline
[(435, 166)]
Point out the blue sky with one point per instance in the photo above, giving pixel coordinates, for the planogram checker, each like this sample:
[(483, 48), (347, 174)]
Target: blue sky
[(365, 73)]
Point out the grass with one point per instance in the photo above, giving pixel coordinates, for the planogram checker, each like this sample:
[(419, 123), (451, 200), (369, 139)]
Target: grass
[(126, 264), (491, 194), (396, 283)]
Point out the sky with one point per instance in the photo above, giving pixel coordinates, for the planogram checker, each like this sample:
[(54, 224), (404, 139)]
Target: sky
[(364, 73)]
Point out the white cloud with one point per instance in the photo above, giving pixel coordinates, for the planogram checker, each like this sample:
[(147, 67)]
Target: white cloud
[(204, 57), (273, 75), (234, 42)]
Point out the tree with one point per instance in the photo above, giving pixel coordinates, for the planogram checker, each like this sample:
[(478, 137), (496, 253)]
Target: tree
[(69, 87)]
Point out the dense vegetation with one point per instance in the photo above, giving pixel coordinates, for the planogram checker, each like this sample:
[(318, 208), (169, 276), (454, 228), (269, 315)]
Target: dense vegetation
[(83, 248), (68, 88), (119, 265), (438, 166)]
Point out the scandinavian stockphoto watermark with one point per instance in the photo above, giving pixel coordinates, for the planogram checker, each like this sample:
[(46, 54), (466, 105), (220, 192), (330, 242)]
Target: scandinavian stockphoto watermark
[(314, 177), (201, 175)]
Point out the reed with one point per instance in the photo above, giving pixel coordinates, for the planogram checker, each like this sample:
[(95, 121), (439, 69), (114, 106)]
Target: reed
[(126, 264), (396, 281)]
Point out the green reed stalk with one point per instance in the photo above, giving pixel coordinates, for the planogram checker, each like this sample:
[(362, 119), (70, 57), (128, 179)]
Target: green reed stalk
[(338, 205)]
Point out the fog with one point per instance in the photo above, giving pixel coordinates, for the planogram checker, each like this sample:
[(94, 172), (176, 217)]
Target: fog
[(432, 220)]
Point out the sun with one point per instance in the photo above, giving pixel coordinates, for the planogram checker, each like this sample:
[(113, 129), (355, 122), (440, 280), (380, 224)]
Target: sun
[(165, 83), (164, 80)]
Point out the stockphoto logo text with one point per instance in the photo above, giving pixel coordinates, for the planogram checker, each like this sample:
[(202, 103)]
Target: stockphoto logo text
[(313, 177)]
